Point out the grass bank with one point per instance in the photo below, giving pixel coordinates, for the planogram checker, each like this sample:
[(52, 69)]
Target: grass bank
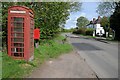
[(48, 49)]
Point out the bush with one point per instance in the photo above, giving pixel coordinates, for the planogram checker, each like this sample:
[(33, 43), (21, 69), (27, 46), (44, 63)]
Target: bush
[(79, 31), (84, 31), (89, 32)]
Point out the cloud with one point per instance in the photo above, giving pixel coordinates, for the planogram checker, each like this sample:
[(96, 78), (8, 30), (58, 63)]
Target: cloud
[(88, 11), (71, 22)]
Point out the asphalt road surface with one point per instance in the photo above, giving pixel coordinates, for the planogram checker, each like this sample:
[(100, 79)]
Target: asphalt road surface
[(102, 57)]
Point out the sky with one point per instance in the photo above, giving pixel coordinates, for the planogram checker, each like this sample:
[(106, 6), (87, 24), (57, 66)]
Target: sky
[(88, 10)]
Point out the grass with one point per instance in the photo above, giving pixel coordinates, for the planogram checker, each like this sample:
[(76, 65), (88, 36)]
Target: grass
[(48, 49)]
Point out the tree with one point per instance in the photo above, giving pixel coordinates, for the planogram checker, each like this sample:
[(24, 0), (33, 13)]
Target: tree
[(111, 9), (82, 22), (105, 23), (115, 21), (4, 21), (106, 8), (48, 15)]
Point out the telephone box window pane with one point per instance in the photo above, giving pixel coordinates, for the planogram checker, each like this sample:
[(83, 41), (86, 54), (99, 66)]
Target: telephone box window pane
[(17, 40), (18, 29), (13, 49), (17, 50), (18, 19), (17, 34), (18, 24), (18, 45), (18, 54)]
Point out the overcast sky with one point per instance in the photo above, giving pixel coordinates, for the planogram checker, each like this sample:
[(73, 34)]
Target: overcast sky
[(88, 11)]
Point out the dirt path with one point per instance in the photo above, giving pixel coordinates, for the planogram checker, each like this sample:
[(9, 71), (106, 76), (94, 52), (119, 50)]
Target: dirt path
[(66, 66)]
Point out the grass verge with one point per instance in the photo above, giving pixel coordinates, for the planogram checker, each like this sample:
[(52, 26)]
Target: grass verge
[(48, 49)]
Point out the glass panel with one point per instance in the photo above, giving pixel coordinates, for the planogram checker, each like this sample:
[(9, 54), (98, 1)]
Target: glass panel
[(18, 29), (18, 54), (17, 40), (17, 34), (17, 24), (18, 45), (18, 19), (31, 36), (17, 50)]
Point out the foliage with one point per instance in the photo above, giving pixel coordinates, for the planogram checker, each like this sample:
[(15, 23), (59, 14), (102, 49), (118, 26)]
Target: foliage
[(111, 9), (67, 30), (75, 6), (5, 6), (106, 8), (84, 31), (105, 23), (82, 22), (79, 31), (115, 21), (89, 32), (48, 15), (48, 49)]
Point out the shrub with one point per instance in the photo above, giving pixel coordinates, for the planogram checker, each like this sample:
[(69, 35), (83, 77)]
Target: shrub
[(84, 31), (89, 32), (79, 31)]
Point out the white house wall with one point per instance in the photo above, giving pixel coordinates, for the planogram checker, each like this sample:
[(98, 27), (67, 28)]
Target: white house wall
[(99, 30)]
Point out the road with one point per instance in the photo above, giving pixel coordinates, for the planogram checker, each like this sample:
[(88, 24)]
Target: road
[(102, 57)]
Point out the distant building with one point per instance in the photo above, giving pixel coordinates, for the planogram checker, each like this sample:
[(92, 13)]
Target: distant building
[(95, 24), (99, 31)]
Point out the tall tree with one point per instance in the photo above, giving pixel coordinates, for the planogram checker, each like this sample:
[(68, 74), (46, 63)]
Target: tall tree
[(106, 8), (48, 15), (5, 6), (115, 21), (111, 9), (82, 22), (105, 23)]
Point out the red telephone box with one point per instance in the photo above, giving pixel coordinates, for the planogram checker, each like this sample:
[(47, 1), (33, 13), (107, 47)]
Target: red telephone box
[(20, 32)]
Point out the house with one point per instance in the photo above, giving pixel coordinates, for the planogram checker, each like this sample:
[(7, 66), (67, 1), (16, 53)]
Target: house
[(95, 24), (99, 31)]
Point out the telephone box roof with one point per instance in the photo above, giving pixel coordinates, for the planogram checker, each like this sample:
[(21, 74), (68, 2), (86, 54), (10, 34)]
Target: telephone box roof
[(21, 7)]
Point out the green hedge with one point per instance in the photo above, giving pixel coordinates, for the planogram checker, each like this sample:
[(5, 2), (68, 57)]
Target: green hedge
[(84, 31), (89, 32)]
